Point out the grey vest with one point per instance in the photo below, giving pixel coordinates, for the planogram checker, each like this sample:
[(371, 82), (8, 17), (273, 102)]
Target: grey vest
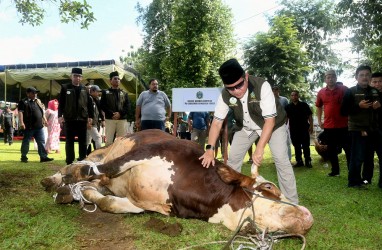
[(254, 97)]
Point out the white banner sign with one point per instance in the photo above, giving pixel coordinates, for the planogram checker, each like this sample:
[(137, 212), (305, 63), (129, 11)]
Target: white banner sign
[(194, 99)]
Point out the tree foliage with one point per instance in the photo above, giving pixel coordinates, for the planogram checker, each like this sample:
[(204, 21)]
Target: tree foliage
[(185, 42), (200, 38), (373, 57), (32, 12), (156, 19), (278, 56), (318, 29), (365, 20)]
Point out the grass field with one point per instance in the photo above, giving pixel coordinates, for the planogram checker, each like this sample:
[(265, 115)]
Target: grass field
[(345, 218)]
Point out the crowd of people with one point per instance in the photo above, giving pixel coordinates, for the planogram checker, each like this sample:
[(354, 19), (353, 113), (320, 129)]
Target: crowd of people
[(258, 115)]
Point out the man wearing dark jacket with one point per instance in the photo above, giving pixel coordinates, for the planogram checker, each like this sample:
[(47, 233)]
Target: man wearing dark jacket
[(300, 127), (98, 119), (32, 121), (115, 103), (361, 103), (76, 111)]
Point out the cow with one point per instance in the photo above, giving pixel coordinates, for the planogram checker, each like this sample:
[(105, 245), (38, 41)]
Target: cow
[(153, 171)]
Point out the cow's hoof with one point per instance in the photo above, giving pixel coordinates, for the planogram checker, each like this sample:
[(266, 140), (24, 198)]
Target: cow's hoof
[(64, 195), (63, 198), (49, 184)]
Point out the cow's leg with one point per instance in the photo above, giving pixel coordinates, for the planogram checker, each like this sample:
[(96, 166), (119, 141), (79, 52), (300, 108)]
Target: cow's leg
[(110, 203)]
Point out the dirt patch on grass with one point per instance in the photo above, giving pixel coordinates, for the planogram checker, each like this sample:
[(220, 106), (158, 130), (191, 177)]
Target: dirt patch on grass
[(109, 231), (164, 227), (104, 231)]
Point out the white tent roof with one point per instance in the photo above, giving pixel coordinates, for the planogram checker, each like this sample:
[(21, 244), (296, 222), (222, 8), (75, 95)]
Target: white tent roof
[(49, 79)]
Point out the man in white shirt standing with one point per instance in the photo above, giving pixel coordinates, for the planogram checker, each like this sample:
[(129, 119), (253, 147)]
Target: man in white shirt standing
[(257, 116)]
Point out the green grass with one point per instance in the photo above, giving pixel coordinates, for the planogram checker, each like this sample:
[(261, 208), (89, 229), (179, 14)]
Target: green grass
[(29, 219)]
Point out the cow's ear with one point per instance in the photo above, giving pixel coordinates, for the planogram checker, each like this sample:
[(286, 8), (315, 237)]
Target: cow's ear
[(269, 190), (232, 177)]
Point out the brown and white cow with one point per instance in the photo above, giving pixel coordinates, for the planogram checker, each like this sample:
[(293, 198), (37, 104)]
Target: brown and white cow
[(151, 170)]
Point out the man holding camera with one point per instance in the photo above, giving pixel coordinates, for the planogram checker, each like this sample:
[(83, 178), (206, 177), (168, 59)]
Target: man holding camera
[(361, 104)]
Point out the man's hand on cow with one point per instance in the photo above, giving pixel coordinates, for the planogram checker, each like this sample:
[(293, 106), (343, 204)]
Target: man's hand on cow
[(208, 158), (257, 156)]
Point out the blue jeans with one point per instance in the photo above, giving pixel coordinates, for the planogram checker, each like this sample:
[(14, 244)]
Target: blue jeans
[(39, 136), (152, 124), (8, 135), (361, 153)]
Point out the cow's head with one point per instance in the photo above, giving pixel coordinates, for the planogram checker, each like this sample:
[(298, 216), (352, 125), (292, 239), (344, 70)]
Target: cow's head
[(73, 173), (266, 205)]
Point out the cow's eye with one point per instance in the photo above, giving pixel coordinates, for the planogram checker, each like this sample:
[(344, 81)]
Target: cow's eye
[(268, 186)]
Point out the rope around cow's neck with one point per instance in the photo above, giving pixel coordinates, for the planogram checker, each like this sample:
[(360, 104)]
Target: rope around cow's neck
[(263, 240), (260, 196)]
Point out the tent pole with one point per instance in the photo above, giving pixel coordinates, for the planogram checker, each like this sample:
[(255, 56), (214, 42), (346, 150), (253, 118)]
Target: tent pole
[(50, 89), (19, 90), (5, 86)]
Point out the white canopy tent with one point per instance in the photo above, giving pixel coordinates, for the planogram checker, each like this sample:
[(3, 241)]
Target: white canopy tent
[(48, 79)]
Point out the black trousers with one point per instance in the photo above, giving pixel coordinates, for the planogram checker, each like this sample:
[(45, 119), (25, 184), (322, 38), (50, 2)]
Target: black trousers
[(301, 142), (73, 129), (337, 139)]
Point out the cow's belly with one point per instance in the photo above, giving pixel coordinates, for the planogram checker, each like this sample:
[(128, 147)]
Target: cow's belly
[(146, 184)]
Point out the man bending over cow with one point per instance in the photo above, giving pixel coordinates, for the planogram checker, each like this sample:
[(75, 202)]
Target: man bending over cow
[(257, 116)]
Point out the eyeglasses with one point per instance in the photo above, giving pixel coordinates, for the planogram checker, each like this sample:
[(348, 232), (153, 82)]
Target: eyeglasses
[(76, 75), (237, 86)]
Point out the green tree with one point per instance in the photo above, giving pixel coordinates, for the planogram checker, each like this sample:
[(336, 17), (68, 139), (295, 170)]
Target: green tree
[(318, 29), (186, 42), (201, 37), (278, 56), (364, 18), (373, 56), (156, 19), (33, 12)]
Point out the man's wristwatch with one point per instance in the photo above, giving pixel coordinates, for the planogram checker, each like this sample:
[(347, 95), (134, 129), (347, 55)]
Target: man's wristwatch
[(208, 146)]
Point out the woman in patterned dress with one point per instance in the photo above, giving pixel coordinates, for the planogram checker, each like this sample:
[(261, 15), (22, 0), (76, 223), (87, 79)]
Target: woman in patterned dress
[(54, 129)]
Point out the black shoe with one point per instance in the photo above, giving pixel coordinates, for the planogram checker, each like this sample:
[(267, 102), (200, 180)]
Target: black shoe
[(333, 174), (308, 164), (46, 159), (24, 160), (298, 164), (366, 182), (358, 186)]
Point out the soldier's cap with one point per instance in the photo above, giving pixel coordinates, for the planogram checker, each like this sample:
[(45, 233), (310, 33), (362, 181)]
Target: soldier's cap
[(77, 71), (230, 71), (33, 90)]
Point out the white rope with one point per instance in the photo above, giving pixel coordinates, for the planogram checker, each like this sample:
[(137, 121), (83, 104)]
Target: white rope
[(76, 190), (92, 166)]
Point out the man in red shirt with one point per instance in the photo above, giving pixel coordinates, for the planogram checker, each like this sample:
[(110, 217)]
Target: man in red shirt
[(335, 126)]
